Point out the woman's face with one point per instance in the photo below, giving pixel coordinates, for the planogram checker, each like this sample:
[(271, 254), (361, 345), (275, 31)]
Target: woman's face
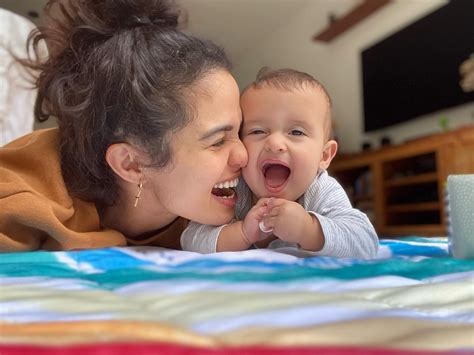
[(206, 157)]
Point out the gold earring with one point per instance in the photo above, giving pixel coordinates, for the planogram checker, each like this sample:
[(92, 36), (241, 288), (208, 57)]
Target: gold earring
[(139, 192)]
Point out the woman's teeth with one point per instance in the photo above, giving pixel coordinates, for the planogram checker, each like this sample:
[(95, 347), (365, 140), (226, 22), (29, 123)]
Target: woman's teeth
[(227, 184)]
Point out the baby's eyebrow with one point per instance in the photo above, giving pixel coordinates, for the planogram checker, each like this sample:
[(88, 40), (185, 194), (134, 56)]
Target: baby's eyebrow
[(216, 130), (259, 120)]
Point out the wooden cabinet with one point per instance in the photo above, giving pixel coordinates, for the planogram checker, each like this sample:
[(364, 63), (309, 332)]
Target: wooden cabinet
[(402, 187)]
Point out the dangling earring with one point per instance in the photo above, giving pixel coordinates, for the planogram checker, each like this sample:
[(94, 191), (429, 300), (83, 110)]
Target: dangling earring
[(139, 192)]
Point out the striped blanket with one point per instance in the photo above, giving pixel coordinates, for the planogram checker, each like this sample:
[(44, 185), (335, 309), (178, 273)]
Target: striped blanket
[(413, 297)]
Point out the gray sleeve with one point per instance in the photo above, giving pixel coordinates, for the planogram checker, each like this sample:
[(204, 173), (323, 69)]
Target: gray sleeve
[(347, 231), (201, 238)]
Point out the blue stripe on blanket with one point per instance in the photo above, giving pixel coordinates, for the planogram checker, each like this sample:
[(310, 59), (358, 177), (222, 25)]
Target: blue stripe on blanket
[(111, 268), (417, 246)]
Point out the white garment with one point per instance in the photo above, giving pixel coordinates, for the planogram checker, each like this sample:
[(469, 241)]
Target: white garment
[(17, 96), (348, 232)]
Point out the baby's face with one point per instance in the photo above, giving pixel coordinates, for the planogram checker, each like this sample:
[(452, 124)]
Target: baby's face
[(285, 135)]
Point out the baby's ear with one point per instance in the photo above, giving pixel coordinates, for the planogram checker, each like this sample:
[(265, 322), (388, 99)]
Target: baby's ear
[(329, 151)]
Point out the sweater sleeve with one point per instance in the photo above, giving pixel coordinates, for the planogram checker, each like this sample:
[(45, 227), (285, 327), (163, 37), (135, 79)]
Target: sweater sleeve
[(347, 231), (201, 238), (36, 209)]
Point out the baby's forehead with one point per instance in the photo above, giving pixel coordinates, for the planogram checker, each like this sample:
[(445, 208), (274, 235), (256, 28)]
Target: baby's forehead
[(312, 95), (314, 90)]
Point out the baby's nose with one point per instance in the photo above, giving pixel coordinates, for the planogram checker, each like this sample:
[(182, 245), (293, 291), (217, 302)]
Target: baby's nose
[(275, 143)]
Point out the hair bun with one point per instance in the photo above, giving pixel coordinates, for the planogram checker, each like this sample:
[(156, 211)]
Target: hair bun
[(122, 14), (163, 22)]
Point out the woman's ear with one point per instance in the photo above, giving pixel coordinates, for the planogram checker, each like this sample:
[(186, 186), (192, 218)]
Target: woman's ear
[(123, 159), (329, 151)]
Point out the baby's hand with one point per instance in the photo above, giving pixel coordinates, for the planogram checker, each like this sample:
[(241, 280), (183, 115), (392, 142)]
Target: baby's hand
[(251, 229), (287, 219)]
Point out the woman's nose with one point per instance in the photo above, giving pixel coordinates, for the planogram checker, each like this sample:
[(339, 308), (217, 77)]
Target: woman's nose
[(238, 156), (275, 143)]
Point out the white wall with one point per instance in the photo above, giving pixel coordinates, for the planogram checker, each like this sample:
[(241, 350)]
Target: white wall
[(337, 66)]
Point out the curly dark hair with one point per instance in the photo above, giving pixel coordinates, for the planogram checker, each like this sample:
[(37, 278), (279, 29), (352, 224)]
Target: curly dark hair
[(117, 71)]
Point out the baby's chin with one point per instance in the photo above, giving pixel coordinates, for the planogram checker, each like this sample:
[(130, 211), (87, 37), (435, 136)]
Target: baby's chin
[(285, 194)]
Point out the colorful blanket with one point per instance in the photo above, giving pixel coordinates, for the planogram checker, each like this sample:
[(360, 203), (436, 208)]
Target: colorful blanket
[(413, 297)]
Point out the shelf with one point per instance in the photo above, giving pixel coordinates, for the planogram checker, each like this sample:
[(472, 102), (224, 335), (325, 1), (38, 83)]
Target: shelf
[(405, 192), (426, 230), (362, 198), (412, 180), (356, 15), (414, 207)]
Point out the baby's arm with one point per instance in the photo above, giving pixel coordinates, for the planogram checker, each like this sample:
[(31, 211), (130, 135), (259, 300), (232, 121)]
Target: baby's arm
[(235, 236), (338, 229), (201, 238), (347, 231), (240, 235)]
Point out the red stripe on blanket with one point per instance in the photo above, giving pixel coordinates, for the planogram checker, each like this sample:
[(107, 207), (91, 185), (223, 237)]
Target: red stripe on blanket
[(175, 349)]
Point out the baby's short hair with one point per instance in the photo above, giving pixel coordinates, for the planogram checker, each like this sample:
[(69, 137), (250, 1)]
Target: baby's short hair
[(290, 80), (287, 79)]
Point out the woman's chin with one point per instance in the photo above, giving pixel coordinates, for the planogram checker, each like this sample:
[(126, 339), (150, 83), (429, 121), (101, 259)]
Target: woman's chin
[(214, 217), (220, 218)]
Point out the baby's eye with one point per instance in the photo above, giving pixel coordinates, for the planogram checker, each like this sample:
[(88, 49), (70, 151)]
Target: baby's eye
[(296, 132), (256, 131)]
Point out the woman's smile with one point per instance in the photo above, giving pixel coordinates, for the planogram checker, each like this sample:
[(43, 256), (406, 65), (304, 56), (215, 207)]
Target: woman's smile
[(224, 192)]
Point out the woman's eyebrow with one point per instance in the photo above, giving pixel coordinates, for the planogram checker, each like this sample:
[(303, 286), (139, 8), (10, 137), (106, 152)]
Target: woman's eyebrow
[(216, 130)]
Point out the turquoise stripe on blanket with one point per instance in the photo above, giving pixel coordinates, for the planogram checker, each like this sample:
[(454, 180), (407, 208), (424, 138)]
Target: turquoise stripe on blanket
[(416, 259)]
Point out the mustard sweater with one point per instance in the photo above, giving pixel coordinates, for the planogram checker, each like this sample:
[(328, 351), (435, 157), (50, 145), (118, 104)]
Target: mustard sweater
[(37, 212)]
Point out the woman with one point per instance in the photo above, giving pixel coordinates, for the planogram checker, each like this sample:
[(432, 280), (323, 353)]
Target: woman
[(147, 137)]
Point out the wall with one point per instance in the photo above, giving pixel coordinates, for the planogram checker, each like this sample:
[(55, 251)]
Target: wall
[(337, 66)]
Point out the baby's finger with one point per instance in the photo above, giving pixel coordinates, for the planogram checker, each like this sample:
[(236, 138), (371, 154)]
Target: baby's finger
[(262, 202), (275, 211), (260, 212), (275, 202), (271, 202)]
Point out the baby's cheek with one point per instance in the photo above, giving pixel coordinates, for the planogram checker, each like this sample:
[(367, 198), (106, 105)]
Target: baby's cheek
[(251, 179), (250, 172)]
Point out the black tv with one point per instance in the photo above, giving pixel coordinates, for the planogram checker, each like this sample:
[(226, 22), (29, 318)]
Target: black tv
[(416, 70)]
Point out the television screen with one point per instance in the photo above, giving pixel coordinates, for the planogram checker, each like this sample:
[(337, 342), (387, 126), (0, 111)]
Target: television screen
[(416, 71)]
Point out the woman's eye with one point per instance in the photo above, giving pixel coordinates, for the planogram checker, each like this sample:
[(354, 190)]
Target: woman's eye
[(219, 143), (296, 132)]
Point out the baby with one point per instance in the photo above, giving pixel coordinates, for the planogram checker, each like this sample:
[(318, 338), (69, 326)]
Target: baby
[(286, 130)]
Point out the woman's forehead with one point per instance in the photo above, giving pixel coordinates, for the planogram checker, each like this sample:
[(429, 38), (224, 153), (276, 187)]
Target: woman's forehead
[(215, 103)]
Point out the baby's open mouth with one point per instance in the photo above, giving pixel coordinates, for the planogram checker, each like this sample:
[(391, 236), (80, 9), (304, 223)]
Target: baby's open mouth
[(225, 189), (275, 174)]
